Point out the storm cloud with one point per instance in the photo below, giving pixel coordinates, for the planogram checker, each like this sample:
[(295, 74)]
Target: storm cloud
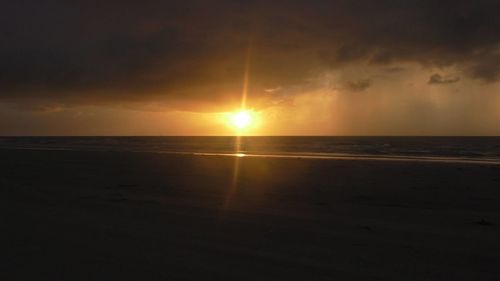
[(188, 52)]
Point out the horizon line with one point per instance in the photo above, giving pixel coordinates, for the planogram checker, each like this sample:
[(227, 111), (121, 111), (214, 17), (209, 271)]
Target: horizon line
[(251, 136)]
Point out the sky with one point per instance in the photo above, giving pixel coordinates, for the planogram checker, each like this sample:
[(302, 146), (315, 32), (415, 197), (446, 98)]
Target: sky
[(338, 67)]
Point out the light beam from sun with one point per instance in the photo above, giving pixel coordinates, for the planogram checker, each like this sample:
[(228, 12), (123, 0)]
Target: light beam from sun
[(241, 120)]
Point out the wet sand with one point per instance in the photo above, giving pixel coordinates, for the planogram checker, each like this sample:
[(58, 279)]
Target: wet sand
[(143, 216)]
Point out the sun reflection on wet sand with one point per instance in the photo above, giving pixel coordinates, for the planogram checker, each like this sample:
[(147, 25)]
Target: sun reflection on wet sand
[(236, 169)]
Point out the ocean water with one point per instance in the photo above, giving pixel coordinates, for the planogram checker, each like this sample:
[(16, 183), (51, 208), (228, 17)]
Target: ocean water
[(480, 149)]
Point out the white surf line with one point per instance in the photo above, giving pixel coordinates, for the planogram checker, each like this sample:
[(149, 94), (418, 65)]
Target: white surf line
[(359, 157)]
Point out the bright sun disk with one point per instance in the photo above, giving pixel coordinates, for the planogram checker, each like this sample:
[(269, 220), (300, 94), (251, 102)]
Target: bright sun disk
[(241, 119)]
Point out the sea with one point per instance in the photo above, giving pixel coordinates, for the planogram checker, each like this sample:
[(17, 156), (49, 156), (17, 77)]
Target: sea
[(449, 149)]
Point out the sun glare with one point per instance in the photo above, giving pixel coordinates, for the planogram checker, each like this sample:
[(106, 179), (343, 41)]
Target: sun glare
[(241, 119)]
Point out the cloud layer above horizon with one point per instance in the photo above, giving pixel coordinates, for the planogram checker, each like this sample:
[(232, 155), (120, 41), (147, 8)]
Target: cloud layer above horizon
[(190, 55)]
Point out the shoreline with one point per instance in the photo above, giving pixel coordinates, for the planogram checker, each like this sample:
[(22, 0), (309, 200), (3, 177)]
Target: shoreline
[(298, 155)]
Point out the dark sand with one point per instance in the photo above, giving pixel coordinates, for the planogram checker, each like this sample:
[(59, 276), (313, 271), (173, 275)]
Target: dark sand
[(144, 216)]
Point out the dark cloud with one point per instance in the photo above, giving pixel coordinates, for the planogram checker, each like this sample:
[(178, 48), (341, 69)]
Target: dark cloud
[(358, 86), (437, 79), (183, 52), (394, 69)]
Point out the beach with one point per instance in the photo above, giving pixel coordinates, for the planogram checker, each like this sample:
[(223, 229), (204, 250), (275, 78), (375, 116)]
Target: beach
[(81, 215)]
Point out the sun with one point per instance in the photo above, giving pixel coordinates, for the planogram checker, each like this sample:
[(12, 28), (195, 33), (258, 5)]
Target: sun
[(241, 119)]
